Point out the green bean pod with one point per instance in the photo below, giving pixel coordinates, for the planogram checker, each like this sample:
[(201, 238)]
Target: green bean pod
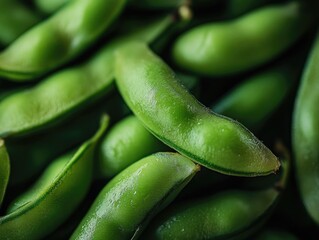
[(4, 170), (305, 135), (226, 48), (59, 39), (231, 214), (222, 216), (30, 155), (15, 19), (127, 142), (69, 90), (133, 197), (250, 102), (57, 194), (164, 106)]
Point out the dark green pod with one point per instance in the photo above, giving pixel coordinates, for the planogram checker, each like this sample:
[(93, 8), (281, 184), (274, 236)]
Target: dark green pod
[(4, 170), (305, 135), (253, 101), (272, 234), (15, 19)]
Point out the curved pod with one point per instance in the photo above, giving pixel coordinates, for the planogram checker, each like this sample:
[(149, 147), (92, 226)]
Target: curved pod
[(65, 92), (59, 39), (226, 48), (305, 135), (52, 200), (134, 196), (151, 90), (125, 143)]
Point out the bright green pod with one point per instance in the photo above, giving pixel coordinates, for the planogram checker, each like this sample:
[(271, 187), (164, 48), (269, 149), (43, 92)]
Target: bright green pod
[(69, 90), (4, 170), (166, 108), (15, 19), (231, 214), (127, 142), (305, 135), (57, 194), (226, 48), (58, 39), (133, 197)]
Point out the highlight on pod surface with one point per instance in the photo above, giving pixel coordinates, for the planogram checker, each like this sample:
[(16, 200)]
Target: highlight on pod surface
[(148, 119)]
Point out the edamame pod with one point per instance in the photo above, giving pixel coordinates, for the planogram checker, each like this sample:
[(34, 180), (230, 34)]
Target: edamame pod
[(253, 101), (55, 197), (226, 48), (69, 90), (305, 135), (4, 170), (127, 142), (232, 214), (29, 156), (134, 196), (15, 19), (229, 213), (151, 90), (59, 39)]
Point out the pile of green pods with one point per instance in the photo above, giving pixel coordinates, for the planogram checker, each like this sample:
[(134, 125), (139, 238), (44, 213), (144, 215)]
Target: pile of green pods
[(149, 119)]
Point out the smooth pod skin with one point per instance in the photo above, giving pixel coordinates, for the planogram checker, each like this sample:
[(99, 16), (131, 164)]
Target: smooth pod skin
[(15, 19), (305, 135), (253, 101), (52, 200), (227, 48), (231, 214), (58, 39), (72, 89), (134, 196), (222, 216), (4, 170), (30, 155), (127, 142), (151, 90)]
